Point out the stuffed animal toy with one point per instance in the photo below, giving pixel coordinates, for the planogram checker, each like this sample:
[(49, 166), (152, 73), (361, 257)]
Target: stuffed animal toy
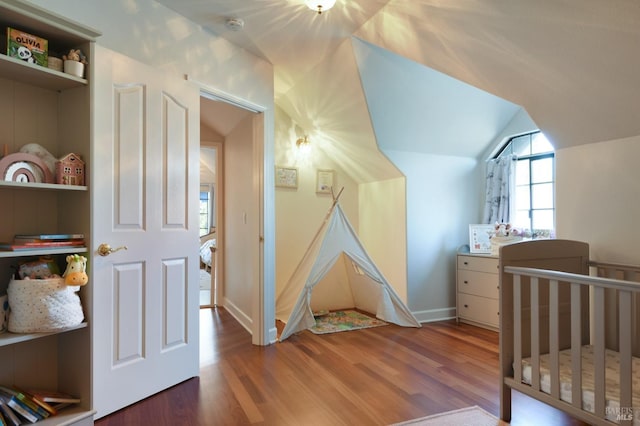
[(75, 273), (75, 55)]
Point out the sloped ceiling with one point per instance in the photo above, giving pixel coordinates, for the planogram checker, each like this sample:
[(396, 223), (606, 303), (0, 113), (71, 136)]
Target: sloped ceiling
[(573, 65), (332, 110), (422, 110), (220, 116), (207, 165)]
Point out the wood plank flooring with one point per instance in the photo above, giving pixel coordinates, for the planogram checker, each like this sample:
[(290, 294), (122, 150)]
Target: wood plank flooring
[(377, 376)]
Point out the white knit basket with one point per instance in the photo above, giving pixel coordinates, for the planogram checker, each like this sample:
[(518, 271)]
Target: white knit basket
[(43, 305)]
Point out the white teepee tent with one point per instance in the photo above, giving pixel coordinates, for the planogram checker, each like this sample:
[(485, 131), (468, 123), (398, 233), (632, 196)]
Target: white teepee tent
[(360, 285)]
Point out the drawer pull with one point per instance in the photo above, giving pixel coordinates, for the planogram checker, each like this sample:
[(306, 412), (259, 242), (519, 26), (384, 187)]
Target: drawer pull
[(466, 306), (466, 263), (466, 282)]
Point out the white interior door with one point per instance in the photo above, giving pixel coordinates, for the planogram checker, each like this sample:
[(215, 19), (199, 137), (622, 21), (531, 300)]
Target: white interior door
[(144, 189)]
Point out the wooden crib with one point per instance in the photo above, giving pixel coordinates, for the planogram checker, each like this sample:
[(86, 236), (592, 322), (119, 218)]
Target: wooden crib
[(561, 313)]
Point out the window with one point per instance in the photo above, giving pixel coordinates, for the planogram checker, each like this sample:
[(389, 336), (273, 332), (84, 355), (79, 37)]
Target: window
[(206, 209), (535, 181)]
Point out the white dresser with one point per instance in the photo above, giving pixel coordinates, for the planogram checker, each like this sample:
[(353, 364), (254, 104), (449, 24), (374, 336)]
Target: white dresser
[(477, 289)]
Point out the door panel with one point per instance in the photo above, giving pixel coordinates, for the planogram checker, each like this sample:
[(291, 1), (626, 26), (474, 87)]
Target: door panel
[(128, 291), (175, 303), (144, 198), (129, 166), (175, 168)]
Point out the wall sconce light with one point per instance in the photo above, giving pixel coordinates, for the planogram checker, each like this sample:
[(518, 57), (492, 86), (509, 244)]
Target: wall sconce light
[(303, 145), (303, 142), (320, 5)]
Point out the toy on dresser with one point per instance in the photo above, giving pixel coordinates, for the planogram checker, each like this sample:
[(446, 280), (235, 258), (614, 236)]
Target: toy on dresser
[(504, 234)]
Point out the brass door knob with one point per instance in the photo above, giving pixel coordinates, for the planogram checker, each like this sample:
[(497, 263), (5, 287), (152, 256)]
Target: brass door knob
[(105, 249)]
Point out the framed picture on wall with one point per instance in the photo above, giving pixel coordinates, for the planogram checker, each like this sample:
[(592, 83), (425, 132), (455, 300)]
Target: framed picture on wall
[(324, 181), (286, 177), (480, 238)]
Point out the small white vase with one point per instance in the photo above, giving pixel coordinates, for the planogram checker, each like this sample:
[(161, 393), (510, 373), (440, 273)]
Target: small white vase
[(74, 68)]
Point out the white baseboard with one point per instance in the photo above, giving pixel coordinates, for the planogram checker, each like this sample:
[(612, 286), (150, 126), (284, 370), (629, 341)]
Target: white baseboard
[(273, 335), (427, 316), (434, 315), (244, 320)]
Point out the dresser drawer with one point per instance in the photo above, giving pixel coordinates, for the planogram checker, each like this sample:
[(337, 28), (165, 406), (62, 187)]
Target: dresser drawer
[(475, 263), (479, 309), (478, 283)]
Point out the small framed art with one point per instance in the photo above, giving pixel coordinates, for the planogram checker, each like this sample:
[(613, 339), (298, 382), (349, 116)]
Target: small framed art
[(480, 238), (324, 181), (286, 177)]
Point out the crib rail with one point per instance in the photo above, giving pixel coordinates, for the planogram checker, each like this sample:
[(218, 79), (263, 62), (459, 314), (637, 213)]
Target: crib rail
[(543, 299)]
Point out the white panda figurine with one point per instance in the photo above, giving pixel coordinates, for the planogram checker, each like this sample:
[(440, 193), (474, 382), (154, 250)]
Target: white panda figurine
[(25, 55)]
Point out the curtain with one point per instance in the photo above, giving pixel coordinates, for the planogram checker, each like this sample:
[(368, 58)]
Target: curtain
[(500, 188)]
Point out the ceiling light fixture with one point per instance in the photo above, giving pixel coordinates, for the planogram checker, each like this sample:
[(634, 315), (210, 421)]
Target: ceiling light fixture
[(320, 5)]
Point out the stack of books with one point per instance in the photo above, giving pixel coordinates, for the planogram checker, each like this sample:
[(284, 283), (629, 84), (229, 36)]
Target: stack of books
[(17, 405), (43, 241)]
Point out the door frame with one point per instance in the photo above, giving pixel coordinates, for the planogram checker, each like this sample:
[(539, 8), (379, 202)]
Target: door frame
[(219, 214), (263, 330)]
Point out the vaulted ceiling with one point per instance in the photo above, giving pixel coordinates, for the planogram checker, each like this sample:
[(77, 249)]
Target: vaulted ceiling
[(367, 69)]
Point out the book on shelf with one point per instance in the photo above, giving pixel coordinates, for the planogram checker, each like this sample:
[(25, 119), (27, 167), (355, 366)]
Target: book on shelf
[(27, 47), (43, 245), (43, 241), (18, 408), (49, 408), (54, 396), (10, 418), (47, 237), (32, 405), (18, 399)]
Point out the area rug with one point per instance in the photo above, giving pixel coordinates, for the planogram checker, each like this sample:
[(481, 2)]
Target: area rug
[(334, 322), (470, 416)]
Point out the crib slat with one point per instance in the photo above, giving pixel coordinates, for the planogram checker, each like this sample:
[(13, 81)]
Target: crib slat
[(598, 351), (624, 300), (517, 325), (634, 275), (535, 334), (554, 339), (576, 346)]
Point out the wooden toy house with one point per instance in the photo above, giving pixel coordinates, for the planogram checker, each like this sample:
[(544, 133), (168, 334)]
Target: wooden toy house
[(70, 170)]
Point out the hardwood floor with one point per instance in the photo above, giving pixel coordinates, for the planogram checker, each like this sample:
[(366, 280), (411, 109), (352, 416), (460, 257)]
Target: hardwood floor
[(377, 376)]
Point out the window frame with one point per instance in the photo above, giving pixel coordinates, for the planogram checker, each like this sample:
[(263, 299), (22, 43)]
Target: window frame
[(208, 189), (507, 149)]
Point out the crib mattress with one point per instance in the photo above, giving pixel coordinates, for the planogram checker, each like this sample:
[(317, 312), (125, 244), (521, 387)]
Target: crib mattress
[(612, 366)]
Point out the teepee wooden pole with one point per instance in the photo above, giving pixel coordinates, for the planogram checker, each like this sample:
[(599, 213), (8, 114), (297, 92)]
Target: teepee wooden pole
[(335, 197)]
